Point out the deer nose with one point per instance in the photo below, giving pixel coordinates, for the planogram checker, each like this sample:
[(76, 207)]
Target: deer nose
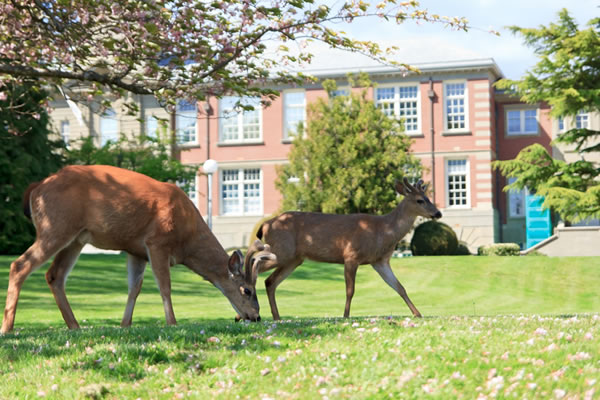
[(437, 215)]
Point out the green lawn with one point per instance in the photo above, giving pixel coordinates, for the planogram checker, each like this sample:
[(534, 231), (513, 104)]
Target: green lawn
[(494, 326)]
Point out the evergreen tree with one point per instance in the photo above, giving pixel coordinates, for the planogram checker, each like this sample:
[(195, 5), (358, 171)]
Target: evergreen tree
[(566, 77), (27, 154), (348, 158)]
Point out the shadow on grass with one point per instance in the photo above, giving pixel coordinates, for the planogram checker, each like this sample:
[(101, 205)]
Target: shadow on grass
[(129, 354)]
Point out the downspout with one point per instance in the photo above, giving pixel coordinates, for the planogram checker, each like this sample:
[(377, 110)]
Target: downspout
[(498, 189), (431, 95)]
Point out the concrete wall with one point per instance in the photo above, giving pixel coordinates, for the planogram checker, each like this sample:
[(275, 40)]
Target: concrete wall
[(571, 241)]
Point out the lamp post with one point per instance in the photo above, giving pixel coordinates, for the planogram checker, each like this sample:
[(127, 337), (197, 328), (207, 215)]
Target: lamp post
[(210, 166)]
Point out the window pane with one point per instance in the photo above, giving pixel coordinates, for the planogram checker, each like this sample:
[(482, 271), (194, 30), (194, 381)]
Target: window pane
[(109, 127), (581, 120), (65, 131), (530, 121), (457, 183), (241, 192), (185, 122), (455, 106)]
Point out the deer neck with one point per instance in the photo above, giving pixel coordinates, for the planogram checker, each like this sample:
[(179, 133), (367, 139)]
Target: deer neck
[(206, 257), (400, 221)]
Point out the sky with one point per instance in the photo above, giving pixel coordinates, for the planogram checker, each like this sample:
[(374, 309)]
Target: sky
[(433, 43)]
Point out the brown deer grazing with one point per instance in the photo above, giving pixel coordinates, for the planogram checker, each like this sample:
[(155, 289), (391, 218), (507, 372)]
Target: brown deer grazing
[(352, 240), (117, 209)]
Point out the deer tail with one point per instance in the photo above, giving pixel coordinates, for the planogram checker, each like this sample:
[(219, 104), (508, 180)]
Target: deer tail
[(26, 196)]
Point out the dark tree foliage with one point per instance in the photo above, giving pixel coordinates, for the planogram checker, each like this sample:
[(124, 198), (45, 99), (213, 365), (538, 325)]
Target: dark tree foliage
[(24, 158)]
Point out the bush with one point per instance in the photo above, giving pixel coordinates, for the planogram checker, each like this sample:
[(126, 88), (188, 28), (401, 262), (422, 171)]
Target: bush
[(462, 249), (433, 238), (499, 249)]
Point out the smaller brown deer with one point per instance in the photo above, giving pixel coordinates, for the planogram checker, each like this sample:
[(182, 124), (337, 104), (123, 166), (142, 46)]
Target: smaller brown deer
[(117, 209), (352, 240)]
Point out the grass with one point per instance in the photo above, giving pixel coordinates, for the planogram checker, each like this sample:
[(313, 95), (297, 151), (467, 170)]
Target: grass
[(494, 327)]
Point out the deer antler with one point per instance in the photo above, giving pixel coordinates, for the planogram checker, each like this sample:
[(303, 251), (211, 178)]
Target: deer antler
[(257, 252)]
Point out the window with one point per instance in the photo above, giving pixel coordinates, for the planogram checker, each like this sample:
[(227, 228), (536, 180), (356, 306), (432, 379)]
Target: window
[(189, 187), (455, 94), (65, 130), (294, 103), (582, 120), (516, 201), (237, 125), (151, 126), (403, 103), (241, 191), (340, 92), (186, 117), (457, 183), (561, 124), (521, 122), (109, 127)]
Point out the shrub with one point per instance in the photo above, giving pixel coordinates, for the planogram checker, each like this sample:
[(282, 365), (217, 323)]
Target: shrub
[(462, 249), (499, 249), (433, 238)]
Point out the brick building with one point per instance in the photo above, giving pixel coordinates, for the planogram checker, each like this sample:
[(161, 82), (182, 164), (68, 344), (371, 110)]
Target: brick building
[(458, 121)]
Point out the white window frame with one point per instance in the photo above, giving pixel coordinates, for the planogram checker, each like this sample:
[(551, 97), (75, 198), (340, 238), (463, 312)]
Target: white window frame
[(396, 104), (192, 129), (240, 183), (224, 113), (287, 107), (467, 183), (521, 110), (466, 129), (582, 120), (515, 194), (65, 134), (193, 192), (109, 115)]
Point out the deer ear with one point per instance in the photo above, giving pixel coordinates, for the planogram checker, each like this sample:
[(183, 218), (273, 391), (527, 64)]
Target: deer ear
[(236, 263), (403, 187)]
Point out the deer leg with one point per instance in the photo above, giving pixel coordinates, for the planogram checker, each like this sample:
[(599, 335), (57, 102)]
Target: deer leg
[(350, 269), (159, 260), (385, 271), (135, 277), (56, 277), (36, 255), (271, 283)]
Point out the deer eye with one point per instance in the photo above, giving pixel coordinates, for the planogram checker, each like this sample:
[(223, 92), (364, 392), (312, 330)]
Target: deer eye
[(420, 201), (247, 292)]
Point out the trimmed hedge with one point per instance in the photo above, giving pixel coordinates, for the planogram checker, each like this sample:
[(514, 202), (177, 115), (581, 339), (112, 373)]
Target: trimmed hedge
[(433, 238), (499, 249)]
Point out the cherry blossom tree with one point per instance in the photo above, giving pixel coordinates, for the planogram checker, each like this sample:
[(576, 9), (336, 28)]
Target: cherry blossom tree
[(181, 49)]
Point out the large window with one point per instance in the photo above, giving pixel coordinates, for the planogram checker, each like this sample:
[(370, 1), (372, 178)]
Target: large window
[(516, 201), (457, 183), (455, 99), (186, 117), (151, 126), (294, 113), (241, 191), (403, 103), (238, 125), (582, 120), (521, 122), (109, 127)]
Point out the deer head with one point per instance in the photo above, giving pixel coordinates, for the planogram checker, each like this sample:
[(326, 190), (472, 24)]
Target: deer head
[(246, 275), (417, 200)]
